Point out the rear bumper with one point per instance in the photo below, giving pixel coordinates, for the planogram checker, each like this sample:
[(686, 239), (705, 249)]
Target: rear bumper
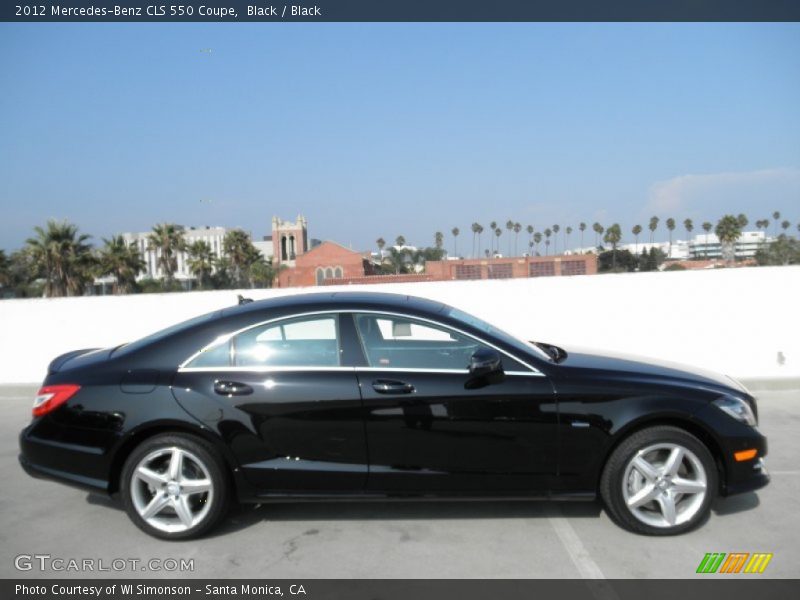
[(44, 460)]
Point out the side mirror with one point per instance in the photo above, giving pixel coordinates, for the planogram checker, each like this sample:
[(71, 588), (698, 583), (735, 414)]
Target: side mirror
[(485, 361)]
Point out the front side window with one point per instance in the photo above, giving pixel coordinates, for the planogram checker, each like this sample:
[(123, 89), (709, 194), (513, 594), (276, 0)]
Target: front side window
[(302, 342), (400, 342)]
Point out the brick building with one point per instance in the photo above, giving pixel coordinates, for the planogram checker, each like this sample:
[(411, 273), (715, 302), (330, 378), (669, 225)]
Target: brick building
[(327, 261), (507, 268)]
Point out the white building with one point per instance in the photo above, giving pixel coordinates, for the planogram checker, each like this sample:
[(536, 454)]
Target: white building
[(708, 246), (213, 236)]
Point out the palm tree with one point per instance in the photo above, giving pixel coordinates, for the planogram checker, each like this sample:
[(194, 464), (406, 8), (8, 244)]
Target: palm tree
[(400, 241), (728, 230), (166, 241), (61, 255), (438, 240), (742, 218), (598, 231), (123, 261), (480, 232), (517, 229), (688, 225), (492, 227), (567, 233), (613, 237), (670, 228), (582, 228), (497, 233), (777, 216), (381, 243), (653, 226), (637, 229), (510, 227), (5, 269), (707, 227), (455, 231), (547, 233), (529, 229), (474, 228), (597, 228), (537, 239), (785, 225), (201, 261), (241, 254), (556, 229)]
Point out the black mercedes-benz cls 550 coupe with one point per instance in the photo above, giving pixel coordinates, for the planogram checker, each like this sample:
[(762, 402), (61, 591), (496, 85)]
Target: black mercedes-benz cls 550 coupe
[(364, 395)]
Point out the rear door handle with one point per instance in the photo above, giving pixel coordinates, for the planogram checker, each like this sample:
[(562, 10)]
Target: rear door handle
[(232, 388), (390, 386)]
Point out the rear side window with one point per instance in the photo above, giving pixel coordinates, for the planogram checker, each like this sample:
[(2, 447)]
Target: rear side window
[(301, 342)]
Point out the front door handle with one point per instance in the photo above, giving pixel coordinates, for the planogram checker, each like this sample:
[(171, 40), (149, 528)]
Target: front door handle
[(390, 386), (232, 388)]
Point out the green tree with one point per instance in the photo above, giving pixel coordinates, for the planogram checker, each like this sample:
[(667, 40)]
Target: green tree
[(5, 270), (492, 228), (598, 231), (567, 233), (474, 227), (582, 228), (122, 261), (652, 227), (743, 220), (785, 225), (547, 233), (497, 233), (636, 231), (438, 239), (201, 262), (455, 231), (529, 230), (625, 261), (777, 216), (62, 257), (537, 239), (556, 229), (510, 227), (613, 236), (670, 228), (707, 227), (783, 251), (480, 232), (262, 272), (517, 229), (380, 242), (688, 225), (400, 241), (167, 240), (728, 230)]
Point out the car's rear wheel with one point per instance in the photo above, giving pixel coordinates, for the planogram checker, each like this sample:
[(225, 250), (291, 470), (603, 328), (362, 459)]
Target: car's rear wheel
[(659, 481), (174, 486)]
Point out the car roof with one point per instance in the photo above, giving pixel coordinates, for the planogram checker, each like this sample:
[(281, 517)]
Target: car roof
[(334, 300)]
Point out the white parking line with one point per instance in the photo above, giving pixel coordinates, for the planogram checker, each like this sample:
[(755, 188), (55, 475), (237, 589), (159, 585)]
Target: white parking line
[(581, 558)]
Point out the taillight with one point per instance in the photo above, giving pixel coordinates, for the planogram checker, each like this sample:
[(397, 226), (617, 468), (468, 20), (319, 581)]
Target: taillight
[(51, 397)]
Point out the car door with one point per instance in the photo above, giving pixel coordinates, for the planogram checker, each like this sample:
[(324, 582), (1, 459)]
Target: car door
[(279, 395), (431, 427)]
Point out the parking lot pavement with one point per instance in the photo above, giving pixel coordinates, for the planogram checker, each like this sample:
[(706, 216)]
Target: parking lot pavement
[(403, 539)]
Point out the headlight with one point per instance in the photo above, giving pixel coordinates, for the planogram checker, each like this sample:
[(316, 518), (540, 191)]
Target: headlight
[(737, 408)]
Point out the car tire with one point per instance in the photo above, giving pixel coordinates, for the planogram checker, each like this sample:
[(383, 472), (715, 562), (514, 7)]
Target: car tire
[(659, 481), (175, 486)]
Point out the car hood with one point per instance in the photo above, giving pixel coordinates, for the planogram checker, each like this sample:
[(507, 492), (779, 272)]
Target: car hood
[(637, 367)]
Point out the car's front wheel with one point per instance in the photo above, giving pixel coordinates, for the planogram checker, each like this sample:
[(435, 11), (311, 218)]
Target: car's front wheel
[(659, 481), (174, 486)]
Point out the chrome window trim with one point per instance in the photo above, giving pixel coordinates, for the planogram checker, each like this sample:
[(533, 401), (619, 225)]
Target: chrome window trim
[(534, 372)]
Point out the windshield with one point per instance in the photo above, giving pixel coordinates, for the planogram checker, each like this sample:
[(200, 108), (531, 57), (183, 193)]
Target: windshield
[(509, 339)]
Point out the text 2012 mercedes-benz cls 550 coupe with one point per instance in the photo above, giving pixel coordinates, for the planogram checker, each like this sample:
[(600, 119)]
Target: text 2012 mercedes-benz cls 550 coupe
[(360, 395)]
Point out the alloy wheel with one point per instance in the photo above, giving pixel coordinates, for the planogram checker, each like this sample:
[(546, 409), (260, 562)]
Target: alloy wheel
[(171, 489), (664, 485)]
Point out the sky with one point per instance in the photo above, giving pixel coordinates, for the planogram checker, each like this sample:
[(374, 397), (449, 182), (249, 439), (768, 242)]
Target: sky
[(386, 129)]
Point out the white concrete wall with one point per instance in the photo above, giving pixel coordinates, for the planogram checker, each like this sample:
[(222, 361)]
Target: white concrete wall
[(734, 321)]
